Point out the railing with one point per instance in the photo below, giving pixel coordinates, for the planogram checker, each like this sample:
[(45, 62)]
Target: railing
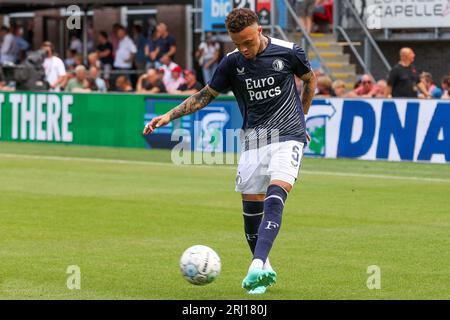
[(341, 6), (355, 52), (308, 39)]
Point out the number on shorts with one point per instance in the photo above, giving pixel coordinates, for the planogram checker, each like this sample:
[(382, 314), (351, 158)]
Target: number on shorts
[(295, 155)]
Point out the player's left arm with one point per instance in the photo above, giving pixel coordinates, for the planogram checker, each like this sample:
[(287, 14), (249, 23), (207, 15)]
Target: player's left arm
[(192, 104), (309, 88)]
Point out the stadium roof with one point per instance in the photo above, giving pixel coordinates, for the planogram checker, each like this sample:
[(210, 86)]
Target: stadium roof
[(9, 6)]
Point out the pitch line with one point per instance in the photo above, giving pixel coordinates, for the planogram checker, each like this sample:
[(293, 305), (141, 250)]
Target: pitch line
[(137, 162)]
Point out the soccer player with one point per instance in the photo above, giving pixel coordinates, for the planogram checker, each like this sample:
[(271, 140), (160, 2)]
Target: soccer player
[(260, 72)]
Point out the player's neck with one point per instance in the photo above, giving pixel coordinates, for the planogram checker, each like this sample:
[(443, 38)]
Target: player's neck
[(264, 43)]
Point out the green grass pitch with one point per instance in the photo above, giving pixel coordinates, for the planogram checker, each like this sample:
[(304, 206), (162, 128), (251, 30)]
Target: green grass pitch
[(126, 224)]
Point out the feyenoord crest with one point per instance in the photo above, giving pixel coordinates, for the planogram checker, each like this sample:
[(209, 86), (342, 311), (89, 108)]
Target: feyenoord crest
[(278, 64)]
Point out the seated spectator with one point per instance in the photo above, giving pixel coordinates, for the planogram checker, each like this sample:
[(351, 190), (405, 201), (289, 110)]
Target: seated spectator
[(3, 85), (76, 44), (445, 85), (123, 84), (175, 80), (100, 84), (367, 88), (191, 84), (167, 66), (93, 60), (427, 86), (80, 82), (150, 83), (339, 88), (324, 87), (382, 85)]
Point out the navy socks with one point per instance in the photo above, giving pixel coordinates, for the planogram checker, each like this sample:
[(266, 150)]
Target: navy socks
[(253, 214)]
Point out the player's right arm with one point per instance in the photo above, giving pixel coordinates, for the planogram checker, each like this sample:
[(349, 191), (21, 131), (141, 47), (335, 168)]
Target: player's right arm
[(192, 104)]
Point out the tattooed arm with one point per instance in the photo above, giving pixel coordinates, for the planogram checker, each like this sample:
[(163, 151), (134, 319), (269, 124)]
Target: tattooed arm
[(309, 87), (192, 104)]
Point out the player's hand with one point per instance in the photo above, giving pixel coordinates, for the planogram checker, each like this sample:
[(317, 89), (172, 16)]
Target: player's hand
[(156, 123), (308, 137)]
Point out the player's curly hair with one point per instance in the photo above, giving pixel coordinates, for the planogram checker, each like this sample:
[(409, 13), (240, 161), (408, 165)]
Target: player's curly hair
[(239, 19)]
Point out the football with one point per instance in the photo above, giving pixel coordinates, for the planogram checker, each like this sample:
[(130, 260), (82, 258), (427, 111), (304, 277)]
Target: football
[(200, 265)]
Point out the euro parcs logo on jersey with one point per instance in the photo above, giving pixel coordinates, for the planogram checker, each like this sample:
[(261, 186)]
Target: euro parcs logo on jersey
[(320, 112)]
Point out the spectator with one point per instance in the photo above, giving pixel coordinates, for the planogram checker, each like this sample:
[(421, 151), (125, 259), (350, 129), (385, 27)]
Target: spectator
[(382, 85), (21, 44), (191, 84), (75, 44), (431, 90), (208, 56), (55, 72), (125, 51), (339, 88), (93, 60), (323, 15), (69, 62), (305, 8), (324, 86), (105, 54), (167, 66), (3, 85), (150, 83), (402, 78), (114, 38), (166, 43), (152, 49), (100, 84), (445, 85), (8, 49), (80, 82), (123, 84), (367, 89), (141, 42), (175, 80)]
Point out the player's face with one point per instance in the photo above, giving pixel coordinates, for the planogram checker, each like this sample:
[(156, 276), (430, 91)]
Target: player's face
[(248, 41)]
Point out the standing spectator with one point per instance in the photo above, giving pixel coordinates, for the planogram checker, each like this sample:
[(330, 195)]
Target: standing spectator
[(141, 42), (123, 84), (339, 88), (166, 43), (8, 49), (105, 54), (191, 84), (99, 82), (323, 15), (175, 80), (55, 72), (152, 49), (367, 89), (430, 89), (403, 78), (445, 85), (20, 43), (208, 56), (69, 62), (80, 82), (76, 44), (114, 38), (125, 51), (305, 9), (150, 83)]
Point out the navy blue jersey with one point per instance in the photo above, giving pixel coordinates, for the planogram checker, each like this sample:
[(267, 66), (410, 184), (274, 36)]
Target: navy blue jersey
[(265, 89)]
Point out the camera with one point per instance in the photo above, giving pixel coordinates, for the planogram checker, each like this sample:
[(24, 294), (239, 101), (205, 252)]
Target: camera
[(29, 75)]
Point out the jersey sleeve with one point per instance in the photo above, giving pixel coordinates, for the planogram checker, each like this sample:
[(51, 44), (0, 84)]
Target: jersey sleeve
[(300, 63), (220, 80)]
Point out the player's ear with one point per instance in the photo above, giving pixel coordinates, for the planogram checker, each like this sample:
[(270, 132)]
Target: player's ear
[(259, 29)]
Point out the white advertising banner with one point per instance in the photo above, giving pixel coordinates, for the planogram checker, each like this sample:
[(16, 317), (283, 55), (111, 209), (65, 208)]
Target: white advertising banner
[(380, 129), (407, 14)]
